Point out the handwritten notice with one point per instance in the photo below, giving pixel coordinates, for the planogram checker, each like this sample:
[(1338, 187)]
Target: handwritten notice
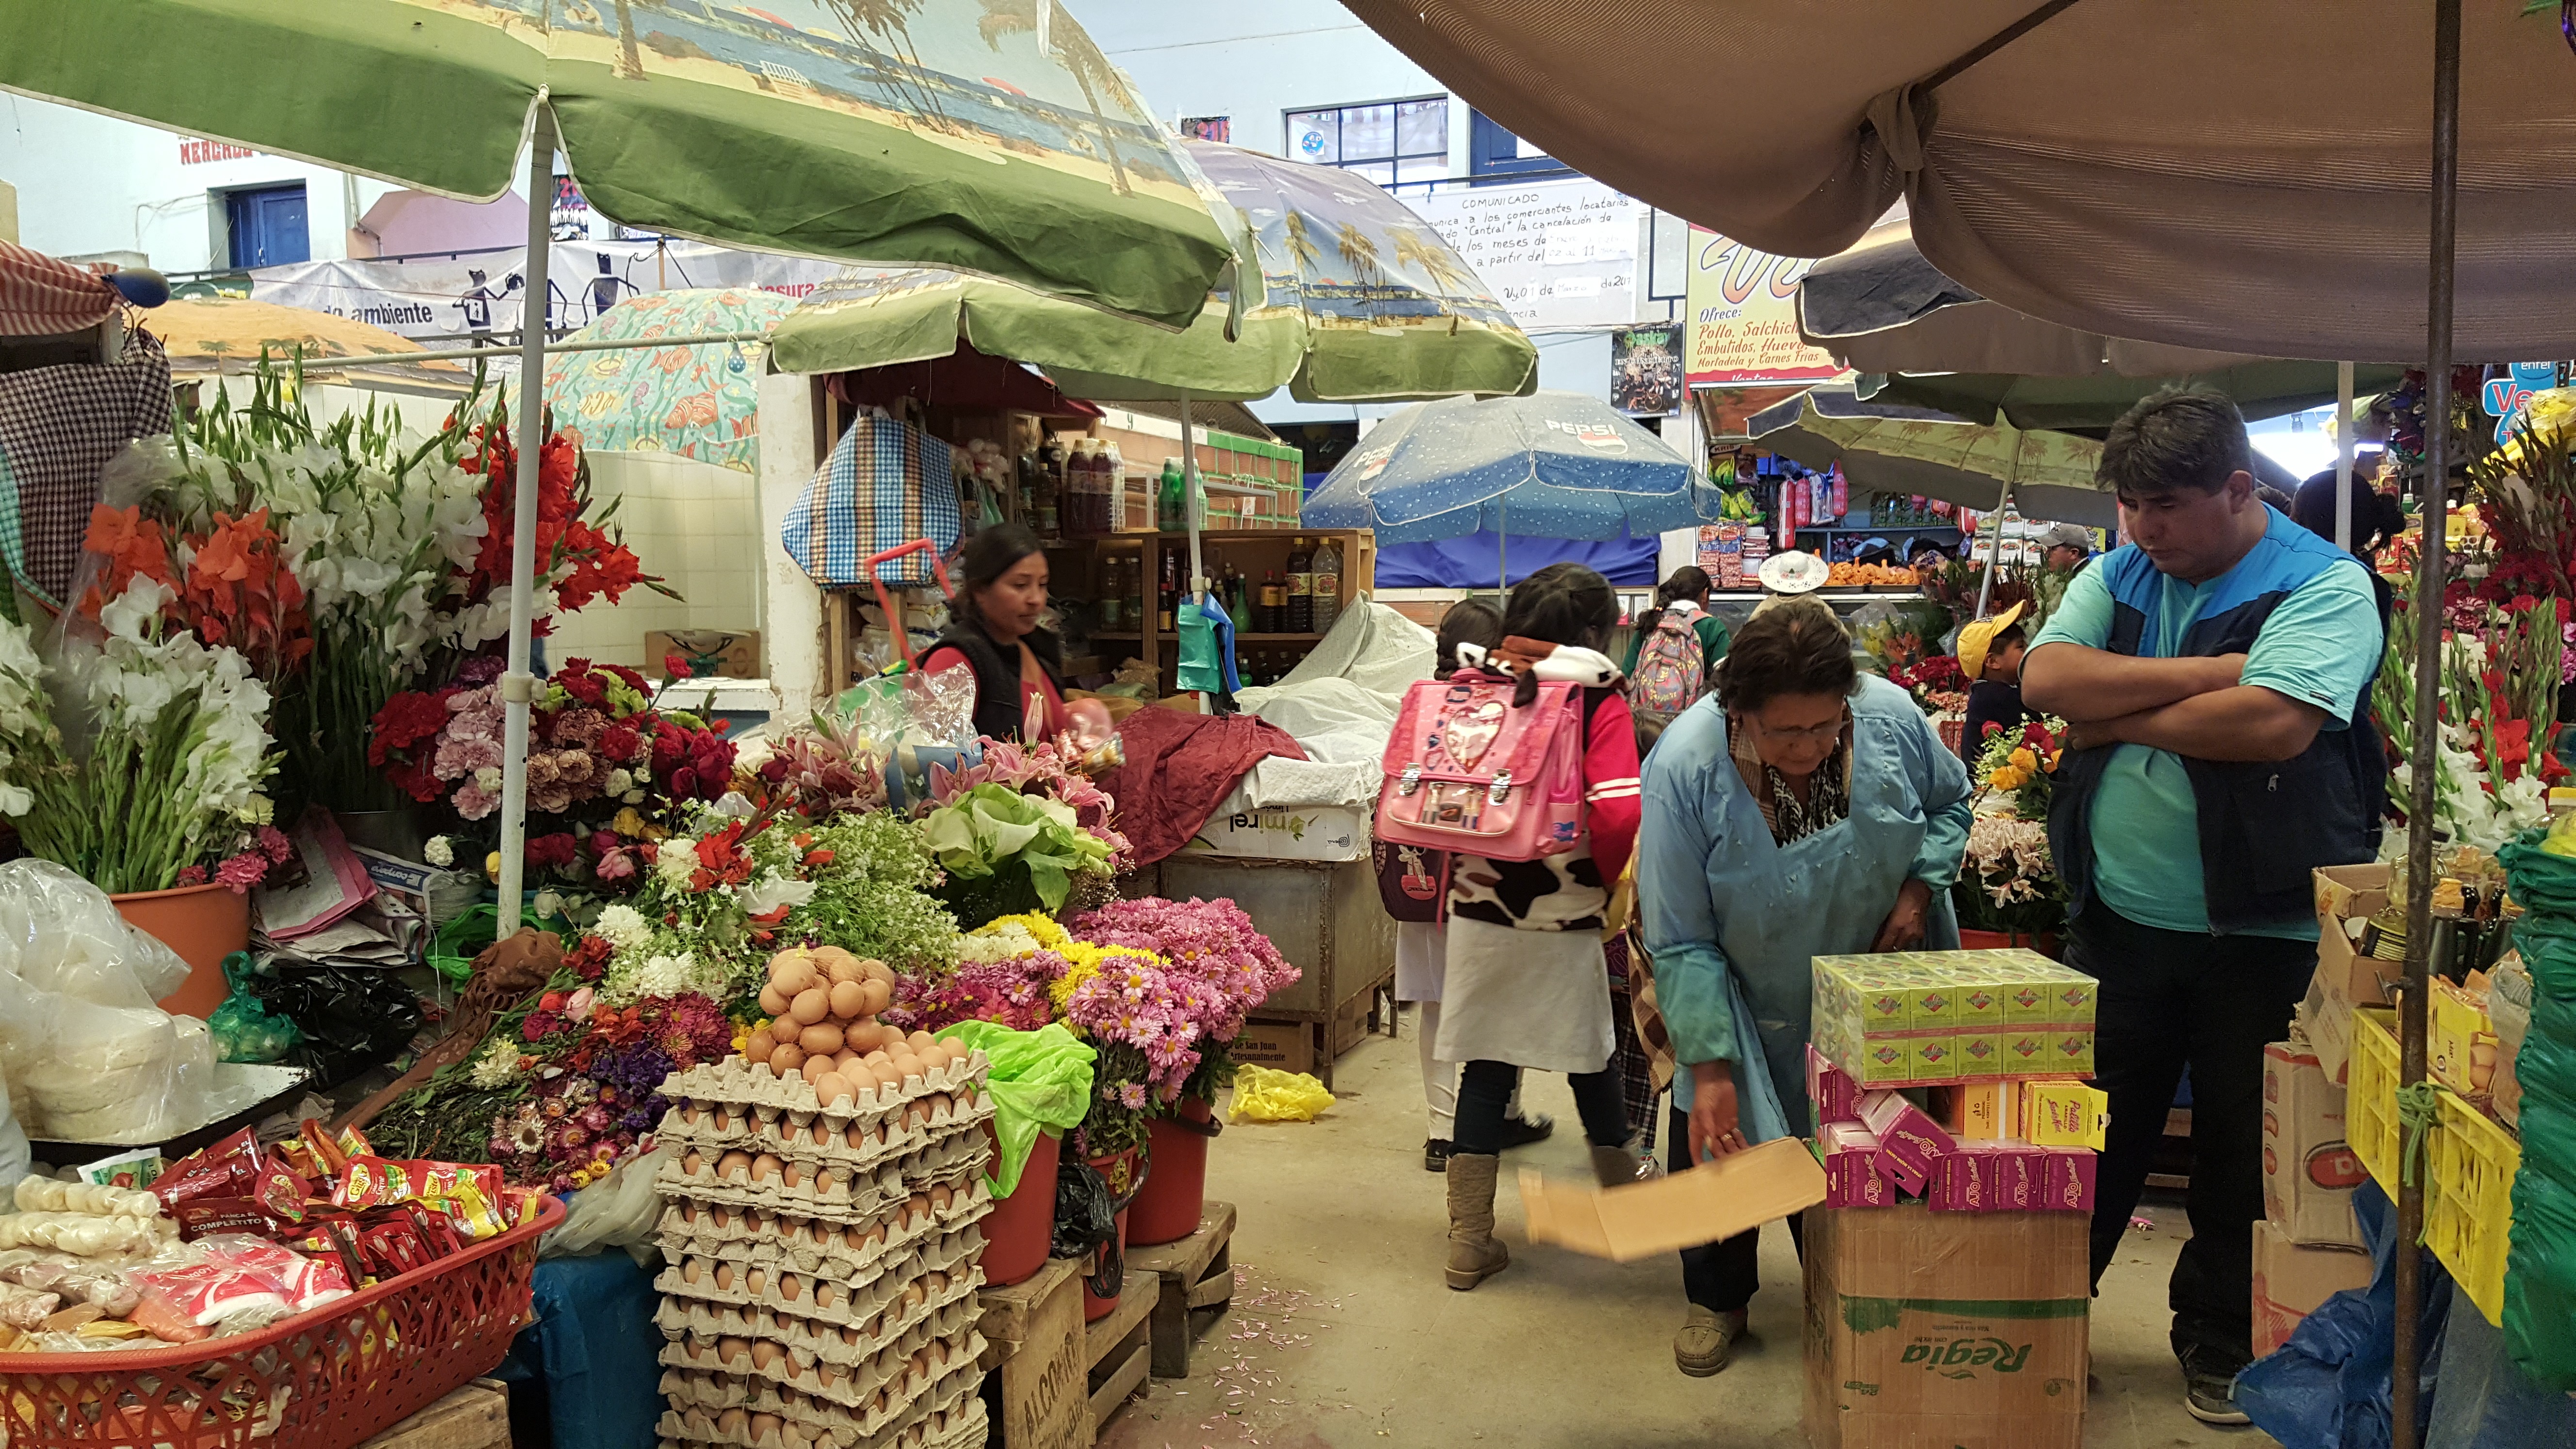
[(1554, 253)]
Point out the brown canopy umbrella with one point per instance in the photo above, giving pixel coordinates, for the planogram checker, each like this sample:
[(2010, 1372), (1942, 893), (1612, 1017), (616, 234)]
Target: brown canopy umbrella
[(2244, 176)]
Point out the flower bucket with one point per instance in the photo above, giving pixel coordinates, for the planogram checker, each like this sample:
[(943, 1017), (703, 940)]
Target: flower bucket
[(1119, 1170), (2046, 945), (204, 924), (1167, 1207), (1021, 1228)]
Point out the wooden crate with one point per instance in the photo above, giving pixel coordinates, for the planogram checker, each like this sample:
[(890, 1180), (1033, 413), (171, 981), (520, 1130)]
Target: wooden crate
[(1051, 1381), (1324, 916), (1198, 1279), (476, 1416)]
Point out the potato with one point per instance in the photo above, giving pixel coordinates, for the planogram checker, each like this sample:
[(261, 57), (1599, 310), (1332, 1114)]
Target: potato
[(774, 1002), (810, 1006), (786, 1057), (822, 1039)]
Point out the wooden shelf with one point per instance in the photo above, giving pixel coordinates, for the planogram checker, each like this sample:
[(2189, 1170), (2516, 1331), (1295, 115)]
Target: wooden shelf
[(1239, 638)]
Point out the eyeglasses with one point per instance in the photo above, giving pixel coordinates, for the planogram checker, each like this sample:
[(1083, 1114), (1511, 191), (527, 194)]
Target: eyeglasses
[(1822, 734)]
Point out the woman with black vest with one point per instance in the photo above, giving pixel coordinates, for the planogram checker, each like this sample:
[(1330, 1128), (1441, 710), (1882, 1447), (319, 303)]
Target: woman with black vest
[(993, 629)]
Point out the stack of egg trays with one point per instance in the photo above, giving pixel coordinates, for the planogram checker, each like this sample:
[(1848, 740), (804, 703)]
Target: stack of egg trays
[(823, 1261)]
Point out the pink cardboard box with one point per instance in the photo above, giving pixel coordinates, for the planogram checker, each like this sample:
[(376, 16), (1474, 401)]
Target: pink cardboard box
[(1910, 1144), (1835, 1095), (1852, 1178), (2070, 1178), (2021, 1178), (1960, 1183)]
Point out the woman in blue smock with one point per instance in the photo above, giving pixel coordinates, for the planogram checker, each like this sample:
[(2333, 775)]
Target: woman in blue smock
[(1803, 810)]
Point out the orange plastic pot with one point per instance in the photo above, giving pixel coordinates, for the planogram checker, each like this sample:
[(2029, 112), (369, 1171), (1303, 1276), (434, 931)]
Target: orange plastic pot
[(2046, 945), (1021, 1228), (1167, 1208), (204, 924), (1120, 1171)]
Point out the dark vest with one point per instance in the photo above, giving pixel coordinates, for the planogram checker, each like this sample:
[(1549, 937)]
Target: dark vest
[(2263, 825), (999, 710)]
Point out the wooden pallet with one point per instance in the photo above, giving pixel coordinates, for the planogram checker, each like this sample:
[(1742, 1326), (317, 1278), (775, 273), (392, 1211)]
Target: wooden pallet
[(1051, 1381), (476, 1416), (1198, 1278)]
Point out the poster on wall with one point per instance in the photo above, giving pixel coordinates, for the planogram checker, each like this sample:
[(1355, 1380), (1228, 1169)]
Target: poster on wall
[(1554, 253), (477, 295), (1743, 317), (1646, 369)]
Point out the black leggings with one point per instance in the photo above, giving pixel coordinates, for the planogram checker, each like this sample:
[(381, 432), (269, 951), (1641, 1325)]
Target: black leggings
[(1485, 1090), (1721, 1276)]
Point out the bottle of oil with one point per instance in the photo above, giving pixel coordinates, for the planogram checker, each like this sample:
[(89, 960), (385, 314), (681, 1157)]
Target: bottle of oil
[(1301, 589), (1328, 585)]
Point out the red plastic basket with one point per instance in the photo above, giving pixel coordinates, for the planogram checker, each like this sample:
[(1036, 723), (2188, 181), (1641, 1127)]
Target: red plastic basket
[(324, 1379)]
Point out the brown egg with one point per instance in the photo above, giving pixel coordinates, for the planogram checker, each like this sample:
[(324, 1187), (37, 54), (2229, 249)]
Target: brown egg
[(792, 971), (791, 1288), (850, 1337), (764, 1425), (848, 998), (733, 1164), (787, 1058), (907, 1067), (935, 1281), (861, 1077), (877, 970), (916, 1114), (813, 1068), (877, 1060), (724, 1116), (755, 1048), (830, 1088), (880, 995), (693, 1161), (729, 1349), (820, 1039), (722, 1215), (692, 1270), (774, 1002), (913, 1296), (819, 1134), (764, 1167), (828, 1179), (941, 1102), (840, 967), (829, 1296), (754, 1280), (810, 1006), (731, 1422), (792, 1175), (939, 1197), (845, 1057)]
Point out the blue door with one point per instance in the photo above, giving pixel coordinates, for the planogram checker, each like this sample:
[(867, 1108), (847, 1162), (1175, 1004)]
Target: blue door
[(267, 226)]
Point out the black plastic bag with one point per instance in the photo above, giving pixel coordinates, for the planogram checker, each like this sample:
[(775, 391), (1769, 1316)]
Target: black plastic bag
[(353, 1017)]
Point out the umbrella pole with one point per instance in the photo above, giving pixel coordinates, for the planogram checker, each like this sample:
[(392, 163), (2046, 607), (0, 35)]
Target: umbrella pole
[(1994, 552), (2343, 456), (1197, 585), (2429, 562), (1502, 548), (518, 687)]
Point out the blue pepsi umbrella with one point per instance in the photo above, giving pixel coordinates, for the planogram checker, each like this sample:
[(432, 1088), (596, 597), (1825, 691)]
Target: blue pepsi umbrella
[(1551, 465)]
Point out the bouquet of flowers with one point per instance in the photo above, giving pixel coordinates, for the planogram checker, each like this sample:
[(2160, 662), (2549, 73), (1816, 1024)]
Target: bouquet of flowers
[(2493, 754), (2023, 766), (1936, 682), (2009, 880)]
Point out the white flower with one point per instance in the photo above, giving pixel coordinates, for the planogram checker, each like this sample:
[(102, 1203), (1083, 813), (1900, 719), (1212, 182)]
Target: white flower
[(14, 800), (632, 797), (130, 614), (773, 890), (668, 975), (438, 852), (497, 1067), (623, 926), (489, 777), (548, 904), (735, 805), (677, 862), (617, 783)]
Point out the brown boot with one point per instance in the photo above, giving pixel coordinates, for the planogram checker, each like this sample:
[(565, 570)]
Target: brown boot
[(1474, 1253), (1707, 1341), (1614, 1166)]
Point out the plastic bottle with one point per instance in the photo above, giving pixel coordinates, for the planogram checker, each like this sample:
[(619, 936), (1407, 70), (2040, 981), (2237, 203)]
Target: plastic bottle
[(1168, 602), (1109, 474), (1071, 488), (1167, 498), (1328, 585), (1301, 589), (1113, 603)]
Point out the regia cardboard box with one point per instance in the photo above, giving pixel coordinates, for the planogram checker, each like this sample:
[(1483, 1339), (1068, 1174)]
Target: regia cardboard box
[(2292, 1281), (2309, 1167), (1953, 1330)]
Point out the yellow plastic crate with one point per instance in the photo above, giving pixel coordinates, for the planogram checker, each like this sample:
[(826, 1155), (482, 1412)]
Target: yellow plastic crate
[(2468, 1207), (2370, 1106)]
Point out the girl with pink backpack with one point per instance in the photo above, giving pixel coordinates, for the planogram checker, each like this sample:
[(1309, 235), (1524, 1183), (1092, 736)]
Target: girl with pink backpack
[(1526, 984)]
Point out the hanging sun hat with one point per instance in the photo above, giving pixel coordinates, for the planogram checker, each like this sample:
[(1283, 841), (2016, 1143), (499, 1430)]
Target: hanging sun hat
[(1794, 572), (1979, 637)]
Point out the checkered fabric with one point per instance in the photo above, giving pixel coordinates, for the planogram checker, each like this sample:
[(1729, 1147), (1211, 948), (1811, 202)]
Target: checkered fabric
[(1637, 1084), (58, 428), (40, 297), (886, 484)]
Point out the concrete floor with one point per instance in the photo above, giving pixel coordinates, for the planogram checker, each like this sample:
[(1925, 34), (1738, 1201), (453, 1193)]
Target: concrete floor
[(1344, 1335)]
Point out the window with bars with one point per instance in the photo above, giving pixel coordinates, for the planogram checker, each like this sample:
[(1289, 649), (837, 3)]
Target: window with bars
[(1401, 145)]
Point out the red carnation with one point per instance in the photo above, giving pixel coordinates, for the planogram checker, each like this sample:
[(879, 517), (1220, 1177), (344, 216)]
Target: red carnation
[(675, 666), (618, 743)]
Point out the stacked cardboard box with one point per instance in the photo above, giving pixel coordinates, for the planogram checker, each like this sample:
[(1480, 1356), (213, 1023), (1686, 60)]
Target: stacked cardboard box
[(2354, 968), (824, 1260), (1912, 1018), (2307, 1247)]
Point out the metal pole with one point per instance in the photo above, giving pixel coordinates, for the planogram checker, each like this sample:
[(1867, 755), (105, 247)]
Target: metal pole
[(1502, 548), (518, 686), (552, 349), (2412, 1008), (1197, 586), (2344, 442), (1994, 552)]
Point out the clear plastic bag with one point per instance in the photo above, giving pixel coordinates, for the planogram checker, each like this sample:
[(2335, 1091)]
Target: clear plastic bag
[(618, 1211), (86, 1055)]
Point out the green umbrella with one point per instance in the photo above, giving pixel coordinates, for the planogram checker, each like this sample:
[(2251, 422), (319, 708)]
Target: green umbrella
[(985, 135), (1361, 301), (2261, 388), (699, 401), (993, 138), (1969, 464)]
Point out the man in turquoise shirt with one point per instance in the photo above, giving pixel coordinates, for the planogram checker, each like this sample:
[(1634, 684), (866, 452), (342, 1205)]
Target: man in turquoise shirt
[(2215, 672)]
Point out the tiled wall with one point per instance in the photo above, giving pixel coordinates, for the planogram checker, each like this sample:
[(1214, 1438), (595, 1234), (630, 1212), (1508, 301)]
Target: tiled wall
[(695, 524)]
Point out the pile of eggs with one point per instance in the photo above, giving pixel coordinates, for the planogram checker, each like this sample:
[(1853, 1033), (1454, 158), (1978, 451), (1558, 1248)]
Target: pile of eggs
[(823, 1004)]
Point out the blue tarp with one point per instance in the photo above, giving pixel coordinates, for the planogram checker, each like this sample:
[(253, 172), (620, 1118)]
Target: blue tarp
[(2328, 1387), (1469, 562), (590, 1365)]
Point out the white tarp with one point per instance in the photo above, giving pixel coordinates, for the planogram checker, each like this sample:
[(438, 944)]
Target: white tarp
[(1339, 704)]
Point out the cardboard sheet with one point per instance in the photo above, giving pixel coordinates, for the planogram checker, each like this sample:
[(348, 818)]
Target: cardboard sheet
[(1717, 1199)]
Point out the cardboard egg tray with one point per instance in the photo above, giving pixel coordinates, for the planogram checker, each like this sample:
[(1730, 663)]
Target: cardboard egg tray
[(832, 1194), (957, 1424), (736, 1081), (813, 1137), (850, 1380), (756, 1239), (824, 1300), (690, 1394), (693, 1333)]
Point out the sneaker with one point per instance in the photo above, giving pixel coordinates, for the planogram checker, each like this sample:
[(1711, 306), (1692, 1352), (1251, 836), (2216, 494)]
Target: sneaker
[(2209, 1390), (1522, 1131), (1435, 1153)]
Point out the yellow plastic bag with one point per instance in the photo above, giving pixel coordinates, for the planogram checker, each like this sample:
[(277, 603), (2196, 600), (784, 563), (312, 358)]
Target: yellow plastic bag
[(1262, 1094)]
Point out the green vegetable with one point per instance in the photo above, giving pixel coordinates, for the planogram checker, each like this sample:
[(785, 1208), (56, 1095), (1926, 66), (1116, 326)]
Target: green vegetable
[(993, 825)]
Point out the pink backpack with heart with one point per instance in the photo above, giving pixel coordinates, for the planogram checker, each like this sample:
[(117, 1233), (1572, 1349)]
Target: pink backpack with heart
[(1467, 772)]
